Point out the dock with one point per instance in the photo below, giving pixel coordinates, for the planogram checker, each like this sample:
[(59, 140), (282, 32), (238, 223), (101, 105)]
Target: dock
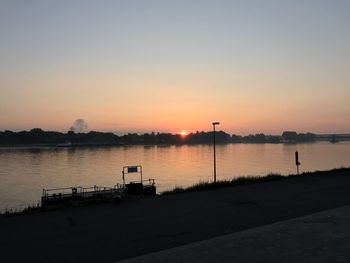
[(78, 193), (56, 196)]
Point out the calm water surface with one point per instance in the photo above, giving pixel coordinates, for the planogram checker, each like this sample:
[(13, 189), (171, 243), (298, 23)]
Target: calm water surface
[(24, 172)]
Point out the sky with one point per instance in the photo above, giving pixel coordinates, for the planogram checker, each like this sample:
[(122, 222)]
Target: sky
[(171, 66)]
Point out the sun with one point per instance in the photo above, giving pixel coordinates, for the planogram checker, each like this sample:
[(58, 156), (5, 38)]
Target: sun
[(183, 133)]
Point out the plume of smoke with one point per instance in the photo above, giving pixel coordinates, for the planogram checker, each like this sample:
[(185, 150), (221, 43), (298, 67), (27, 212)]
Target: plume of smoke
[(79, 126)]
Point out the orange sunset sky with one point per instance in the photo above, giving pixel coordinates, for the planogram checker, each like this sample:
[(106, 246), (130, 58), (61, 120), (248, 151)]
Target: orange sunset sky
[(169, 66)]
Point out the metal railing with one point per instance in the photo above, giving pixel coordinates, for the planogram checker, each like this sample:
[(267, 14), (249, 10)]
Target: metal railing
[(79, 191), (149, 181), (62, 191)]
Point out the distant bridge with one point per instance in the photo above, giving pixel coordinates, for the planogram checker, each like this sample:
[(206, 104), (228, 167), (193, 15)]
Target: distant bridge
[(330, 137)]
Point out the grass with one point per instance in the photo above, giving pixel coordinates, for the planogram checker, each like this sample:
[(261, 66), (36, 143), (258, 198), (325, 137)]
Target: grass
[(246, 180), (18, 211), (34, 208)]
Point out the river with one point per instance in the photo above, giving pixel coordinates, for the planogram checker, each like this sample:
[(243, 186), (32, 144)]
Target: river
[(24, 172)]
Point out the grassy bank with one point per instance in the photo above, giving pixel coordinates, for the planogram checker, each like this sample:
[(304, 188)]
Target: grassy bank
[(18, 211), (35, 208), (246, 180)]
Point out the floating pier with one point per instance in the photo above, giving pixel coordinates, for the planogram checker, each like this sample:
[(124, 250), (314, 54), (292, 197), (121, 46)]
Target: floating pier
[(77, 193)]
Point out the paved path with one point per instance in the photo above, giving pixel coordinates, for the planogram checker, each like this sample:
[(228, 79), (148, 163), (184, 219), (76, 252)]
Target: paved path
[(320, 237), (110, 233)]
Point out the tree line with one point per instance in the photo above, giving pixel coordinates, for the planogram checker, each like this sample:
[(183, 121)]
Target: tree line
[(38, 136)]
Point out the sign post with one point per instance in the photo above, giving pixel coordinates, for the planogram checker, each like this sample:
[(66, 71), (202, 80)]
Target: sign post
[(214, 123), (132, 169)]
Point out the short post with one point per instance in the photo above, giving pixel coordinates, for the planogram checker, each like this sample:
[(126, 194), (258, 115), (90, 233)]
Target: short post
[(297, 163), (141, 175)]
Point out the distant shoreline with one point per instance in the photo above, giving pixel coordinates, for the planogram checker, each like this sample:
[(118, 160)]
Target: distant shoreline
[(49, 145), (107, 145), (40, 138)]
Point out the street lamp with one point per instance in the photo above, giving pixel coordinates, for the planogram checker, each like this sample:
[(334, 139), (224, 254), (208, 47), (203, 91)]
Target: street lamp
[(214, 123)]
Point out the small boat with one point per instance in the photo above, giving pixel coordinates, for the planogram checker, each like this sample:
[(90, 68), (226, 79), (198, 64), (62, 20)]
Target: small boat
[(64, 144), (333, 140)]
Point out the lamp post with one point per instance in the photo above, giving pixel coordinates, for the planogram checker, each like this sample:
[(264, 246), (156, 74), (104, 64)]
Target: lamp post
[(214, 123)]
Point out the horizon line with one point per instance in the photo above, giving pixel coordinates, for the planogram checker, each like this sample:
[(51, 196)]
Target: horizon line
[(121, 133)]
